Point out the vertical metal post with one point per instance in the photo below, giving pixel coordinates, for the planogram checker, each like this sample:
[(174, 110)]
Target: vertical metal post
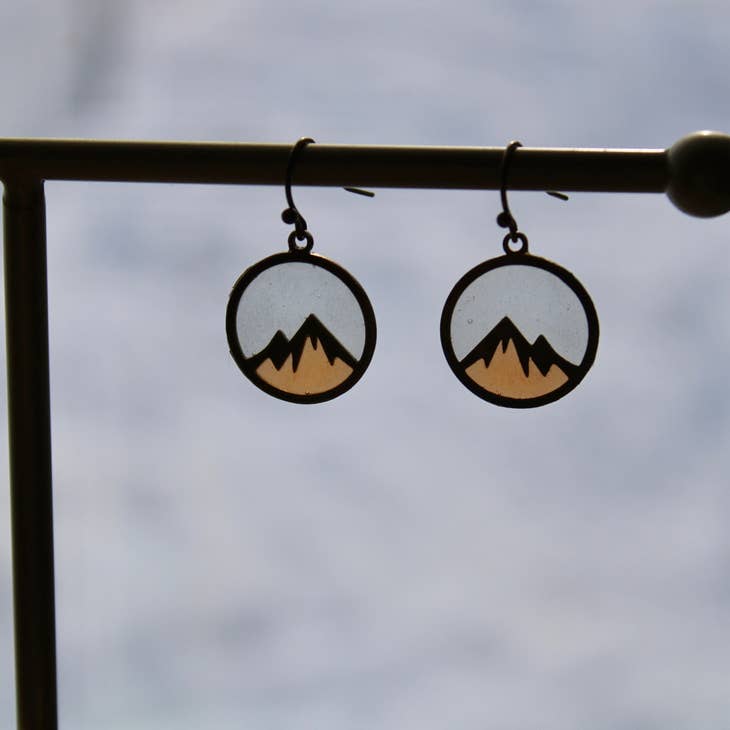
[(26, 302)]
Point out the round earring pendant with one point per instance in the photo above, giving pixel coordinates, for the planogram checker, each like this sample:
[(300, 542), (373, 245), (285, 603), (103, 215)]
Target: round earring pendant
[(519, 331), (300, 327)]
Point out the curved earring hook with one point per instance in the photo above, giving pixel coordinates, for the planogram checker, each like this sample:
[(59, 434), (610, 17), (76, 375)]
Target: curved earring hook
[(505, 219), (291, 215)]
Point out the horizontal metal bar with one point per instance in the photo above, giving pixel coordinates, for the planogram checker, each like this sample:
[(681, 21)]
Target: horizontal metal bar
[(599, 170)]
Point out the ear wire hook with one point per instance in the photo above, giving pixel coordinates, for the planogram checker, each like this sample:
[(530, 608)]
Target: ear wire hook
[(291, 215), (505, 219)]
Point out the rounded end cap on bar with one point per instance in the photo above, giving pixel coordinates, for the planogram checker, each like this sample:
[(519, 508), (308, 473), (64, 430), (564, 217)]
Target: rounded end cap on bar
[(699, 174)]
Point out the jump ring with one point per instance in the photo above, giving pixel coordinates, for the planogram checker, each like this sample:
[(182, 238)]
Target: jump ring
[(514, 237), (306, 235)]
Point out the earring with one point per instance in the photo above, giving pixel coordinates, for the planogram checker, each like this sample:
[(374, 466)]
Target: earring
[(299, 326), (518, 330)]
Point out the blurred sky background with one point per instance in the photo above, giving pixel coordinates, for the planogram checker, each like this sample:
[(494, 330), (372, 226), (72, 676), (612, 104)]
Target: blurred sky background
[(407, 556)]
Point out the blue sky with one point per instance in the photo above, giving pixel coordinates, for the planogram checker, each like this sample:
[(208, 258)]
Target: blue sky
[(405, 556)]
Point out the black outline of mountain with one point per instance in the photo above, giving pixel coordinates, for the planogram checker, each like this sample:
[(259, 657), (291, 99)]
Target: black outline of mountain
[(279, 348), (540, 351)]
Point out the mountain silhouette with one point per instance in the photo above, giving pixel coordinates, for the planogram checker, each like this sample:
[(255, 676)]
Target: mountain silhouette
[(540, 352), (280, 347)]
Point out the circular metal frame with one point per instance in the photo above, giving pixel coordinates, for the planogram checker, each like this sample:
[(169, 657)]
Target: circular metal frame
[(520, 260), (346, 278)]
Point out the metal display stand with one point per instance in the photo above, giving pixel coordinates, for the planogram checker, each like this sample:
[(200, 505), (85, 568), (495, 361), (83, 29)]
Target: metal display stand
[(695, 174)]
